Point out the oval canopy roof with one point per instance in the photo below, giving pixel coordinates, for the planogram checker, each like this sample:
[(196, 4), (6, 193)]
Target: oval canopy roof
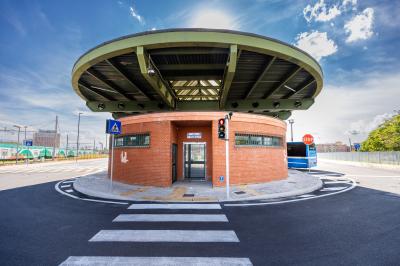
[(197, 70)]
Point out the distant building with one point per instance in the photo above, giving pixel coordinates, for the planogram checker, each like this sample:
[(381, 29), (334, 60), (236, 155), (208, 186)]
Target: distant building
[(46, 138), (338, 146)]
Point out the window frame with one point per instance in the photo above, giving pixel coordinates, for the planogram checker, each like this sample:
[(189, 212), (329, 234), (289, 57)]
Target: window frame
[(128, 143), (264, 139)]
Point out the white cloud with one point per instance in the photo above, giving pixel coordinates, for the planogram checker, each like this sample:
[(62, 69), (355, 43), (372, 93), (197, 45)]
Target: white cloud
[(136, 15), (360, 26), (316, 43), (320, 12), (359, 106), (215, 19), (349, 4)]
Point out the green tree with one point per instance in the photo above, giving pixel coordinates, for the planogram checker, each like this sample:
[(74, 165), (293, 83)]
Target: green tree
[(385, 138)]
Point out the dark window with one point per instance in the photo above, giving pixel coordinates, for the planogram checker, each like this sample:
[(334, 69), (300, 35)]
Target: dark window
[(296, 149), (257, 140), (135, 140)]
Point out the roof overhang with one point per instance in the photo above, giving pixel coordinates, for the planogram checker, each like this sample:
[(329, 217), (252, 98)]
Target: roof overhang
[(197, 70)]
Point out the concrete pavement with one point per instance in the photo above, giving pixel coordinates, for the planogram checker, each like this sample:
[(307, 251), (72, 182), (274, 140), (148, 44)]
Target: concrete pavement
[(14, 176), (98, 185), (369, 177)]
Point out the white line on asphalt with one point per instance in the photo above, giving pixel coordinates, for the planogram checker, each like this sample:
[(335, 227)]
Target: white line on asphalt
[(337, 182), (165, 236), (171, 218), (78, 198), (69, 190), (354, 184), (372, 175), (68, 181), (64, 186), (175, 206), (154, 261), (332, 188), (306, 195)]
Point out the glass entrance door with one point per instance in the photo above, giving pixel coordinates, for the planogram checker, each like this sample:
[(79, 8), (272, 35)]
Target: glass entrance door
[(195, 160)]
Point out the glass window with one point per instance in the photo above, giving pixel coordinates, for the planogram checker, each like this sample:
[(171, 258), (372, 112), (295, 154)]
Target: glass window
[(136, 140), (241, 139), (257, 140)]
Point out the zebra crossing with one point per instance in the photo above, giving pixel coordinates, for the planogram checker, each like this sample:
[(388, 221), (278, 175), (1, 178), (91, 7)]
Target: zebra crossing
[(163, 215)]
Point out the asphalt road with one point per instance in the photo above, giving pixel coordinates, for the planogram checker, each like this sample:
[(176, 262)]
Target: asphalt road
[(40, 226)]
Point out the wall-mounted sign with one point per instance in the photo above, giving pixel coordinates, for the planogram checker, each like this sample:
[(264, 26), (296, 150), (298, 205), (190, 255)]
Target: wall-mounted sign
[(193, 135)]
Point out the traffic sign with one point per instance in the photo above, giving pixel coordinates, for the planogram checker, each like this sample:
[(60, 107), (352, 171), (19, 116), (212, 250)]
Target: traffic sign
[(308, 139), (357, 146), (113, 127), (28, 142)]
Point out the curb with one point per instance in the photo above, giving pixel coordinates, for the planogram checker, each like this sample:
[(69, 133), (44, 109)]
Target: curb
[(104, 195)]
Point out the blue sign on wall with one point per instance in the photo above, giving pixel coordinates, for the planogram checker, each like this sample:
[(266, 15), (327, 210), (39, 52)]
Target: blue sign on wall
[(28, 142), (113, 127), (221, 178)]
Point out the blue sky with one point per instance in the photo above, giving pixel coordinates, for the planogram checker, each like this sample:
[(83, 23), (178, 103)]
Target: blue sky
[(356, 42)]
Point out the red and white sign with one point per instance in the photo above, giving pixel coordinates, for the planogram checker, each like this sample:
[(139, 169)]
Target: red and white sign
[(308, 139)]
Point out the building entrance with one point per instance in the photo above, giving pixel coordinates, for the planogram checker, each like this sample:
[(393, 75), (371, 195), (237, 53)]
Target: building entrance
[(194, 160)]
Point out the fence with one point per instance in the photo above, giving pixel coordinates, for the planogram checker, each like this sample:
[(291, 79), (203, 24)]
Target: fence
[(384, 157)]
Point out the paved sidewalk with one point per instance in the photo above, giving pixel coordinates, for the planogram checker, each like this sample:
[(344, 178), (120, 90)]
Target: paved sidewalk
[(98, 185)]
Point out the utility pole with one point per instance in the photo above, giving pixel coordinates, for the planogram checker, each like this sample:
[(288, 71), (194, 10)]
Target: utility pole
[(227, 117), (105, 147), (94, 145), (77, 138), (291, 121), (25, 133), (55, 138), (66, 148), (19, 130)]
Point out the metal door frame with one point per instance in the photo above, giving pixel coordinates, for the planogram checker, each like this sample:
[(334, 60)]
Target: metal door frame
[(205, 160), (176, 161)]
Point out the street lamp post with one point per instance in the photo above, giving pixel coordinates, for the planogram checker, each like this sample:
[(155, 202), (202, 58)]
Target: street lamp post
[(291, 121), (19, 130), (77, 138)]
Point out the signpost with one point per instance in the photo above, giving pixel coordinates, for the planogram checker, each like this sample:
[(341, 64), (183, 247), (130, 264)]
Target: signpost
[(28, 142), (308, 139), (113, 127)]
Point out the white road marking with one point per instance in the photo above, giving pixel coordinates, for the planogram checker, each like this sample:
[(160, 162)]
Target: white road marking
[(68, 181), (354, 184), (175, 206), (155, 261), (64, 186), (171, 218), (337, 182), (69, 190), (165, 236), (332, 188), (78, 198), (306, 195)]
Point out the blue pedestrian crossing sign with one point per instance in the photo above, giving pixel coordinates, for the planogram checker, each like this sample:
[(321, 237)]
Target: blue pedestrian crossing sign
[(28, 142), (113, 127)]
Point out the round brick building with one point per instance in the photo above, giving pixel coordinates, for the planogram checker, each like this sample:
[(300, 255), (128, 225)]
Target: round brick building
[(158, 149), (170, 87)]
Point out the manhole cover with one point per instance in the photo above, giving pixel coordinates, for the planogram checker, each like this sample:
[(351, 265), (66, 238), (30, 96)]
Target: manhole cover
[(239, 192), (188, 195)]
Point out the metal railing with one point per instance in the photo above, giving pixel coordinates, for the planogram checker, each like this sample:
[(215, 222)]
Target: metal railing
[(384, 157)]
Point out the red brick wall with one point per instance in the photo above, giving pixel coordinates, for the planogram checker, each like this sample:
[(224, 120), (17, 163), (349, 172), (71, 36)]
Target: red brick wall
[(152, 166), (146, 166)]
